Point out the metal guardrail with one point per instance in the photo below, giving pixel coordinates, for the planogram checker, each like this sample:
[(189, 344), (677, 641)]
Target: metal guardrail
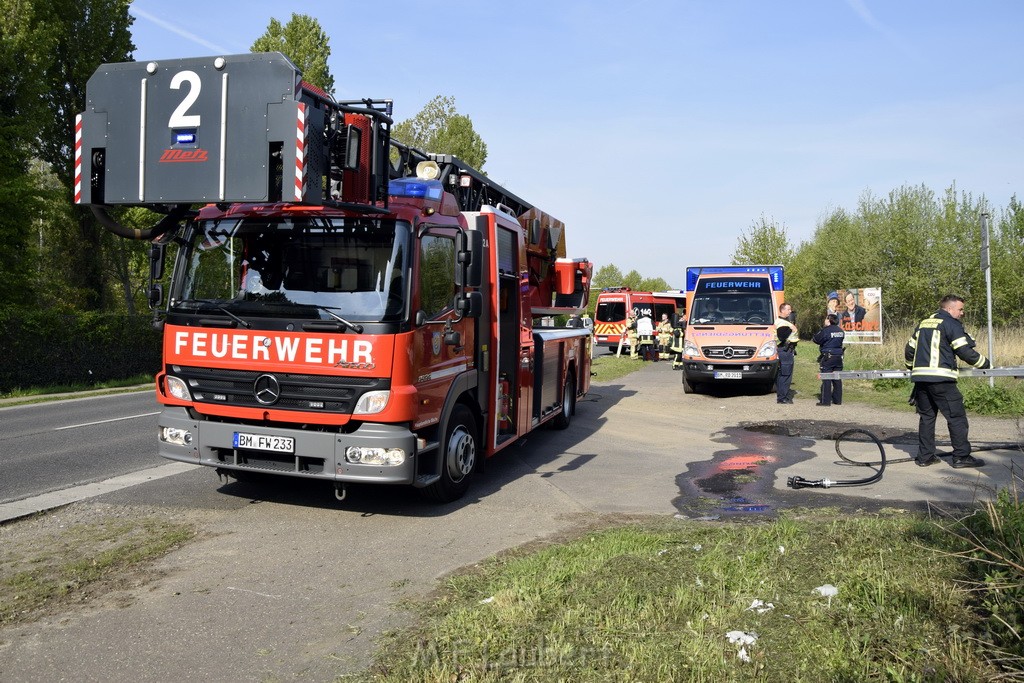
[(905, 374)]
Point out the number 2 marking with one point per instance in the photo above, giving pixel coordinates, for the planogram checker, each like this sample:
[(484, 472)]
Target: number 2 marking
[(179, 119)]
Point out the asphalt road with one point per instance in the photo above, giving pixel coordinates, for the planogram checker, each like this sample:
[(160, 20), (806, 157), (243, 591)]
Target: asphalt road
[(285, 583), (56, 445)]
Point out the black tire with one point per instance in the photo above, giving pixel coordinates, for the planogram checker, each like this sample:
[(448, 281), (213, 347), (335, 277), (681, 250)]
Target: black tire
[(688, 387), (458, 459), (564, 417)]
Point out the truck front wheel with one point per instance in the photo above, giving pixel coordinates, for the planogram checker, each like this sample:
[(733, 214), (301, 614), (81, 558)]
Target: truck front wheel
[(689, 387), (458, 461)]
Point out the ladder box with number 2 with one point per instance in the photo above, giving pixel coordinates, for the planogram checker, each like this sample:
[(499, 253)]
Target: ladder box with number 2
[(181, 132)]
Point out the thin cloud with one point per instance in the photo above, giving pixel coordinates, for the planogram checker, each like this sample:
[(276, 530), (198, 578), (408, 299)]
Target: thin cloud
[(176, 30), (862, 11)]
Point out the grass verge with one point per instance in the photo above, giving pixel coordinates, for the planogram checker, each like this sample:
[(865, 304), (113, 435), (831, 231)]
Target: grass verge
[(607, 366), (803, 598), (61, 566)]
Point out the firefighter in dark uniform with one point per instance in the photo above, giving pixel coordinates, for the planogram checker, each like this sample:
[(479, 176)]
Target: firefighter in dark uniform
[(785, 339), (830, 339), (931, 356), (678, 335)]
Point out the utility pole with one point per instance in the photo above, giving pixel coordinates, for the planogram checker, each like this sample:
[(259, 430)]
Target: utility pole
[(986, 266)]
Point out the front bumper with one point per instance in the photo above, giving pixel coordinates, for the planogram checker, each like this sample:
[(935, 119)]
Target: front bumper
[(318, 455), (748, 371)]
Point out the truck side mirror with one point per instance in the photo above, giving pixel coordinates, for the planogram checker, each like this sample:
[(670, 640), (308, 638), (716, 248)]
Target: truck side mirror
[(469, 304), (156, 261), (156, 295), (353, 140), (469, 258)]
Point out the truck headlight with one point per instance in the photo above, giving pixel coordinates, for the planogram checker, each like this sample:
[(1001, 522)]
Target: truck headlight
[(768, 350), (371, 403), (177, 388), (690, 349), (388, 457), (176, 436)]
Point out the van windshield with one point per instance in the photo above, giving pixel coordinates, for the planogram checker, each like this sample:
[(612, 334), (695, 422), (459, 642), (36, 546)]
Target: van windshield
[(732, 308)]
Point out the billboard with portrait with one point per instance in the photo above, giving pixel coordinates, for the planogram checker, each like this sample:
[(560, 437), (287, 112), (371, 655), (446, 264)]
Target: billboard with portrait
[(860, 313)]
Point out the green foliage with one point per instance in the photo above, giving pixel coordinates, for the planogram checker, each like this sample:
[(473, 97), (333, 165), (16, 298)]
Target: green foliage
[(917, 246), (607, 276), (1001, 399), (765, 243), (439, 128), (653, 284), (48, 51), (303, 41), (995, 537), (48, 347)]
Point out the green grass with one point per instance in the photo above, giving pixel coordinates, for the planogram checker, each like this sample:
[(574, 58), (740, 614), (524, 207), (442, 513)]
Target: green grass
[(59, 568), (655, 602), (50, 393), (608, 367)]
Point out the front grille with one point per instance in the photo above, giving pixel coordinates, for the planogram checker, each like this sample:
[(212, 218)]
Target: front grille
[(728, 352), (308, 393)]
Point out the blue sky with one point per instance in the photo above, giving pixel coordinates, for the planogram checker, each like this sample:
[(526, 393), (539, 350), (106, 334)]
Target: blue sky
[(661, 131)]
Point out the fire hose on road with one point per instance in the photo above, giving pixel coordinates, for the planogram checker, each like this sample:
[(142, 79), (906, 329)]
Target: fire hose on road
[(879, 465)]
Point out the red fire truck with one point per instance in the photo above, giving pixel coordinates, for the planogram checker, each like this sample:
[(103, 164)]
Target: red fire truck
[(342, 307), (614, 304)]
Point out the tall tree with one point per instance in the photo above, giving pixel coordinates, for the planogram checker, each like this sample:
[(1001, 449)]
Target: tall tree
[(439, 128), (24, 44), (303, 41), (80, 35), (765, 243), (608, 276)]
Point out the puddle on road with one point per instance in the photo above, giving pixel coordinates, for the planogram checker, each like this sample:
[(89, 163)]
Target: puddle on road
[(738, 480)]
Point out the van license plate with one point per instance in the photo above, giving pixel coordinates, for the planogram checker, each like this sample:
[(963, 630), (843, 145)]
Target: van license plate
[(264, 442), (728, 375)]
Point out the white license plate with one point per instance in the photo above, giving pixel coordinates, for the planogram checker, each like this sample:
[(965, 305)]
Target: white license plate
[(728, 375), (264, 442)]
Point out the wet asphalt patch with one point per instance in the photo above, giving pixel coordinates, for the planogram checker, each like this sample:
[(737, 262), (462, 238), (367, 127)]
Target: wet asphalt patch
[(737, 479)]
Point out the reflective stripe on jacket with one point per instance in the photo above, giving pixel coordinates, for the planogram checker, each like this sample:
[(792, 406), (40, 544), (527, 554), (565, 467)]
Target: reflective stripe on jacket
[(931, 353)]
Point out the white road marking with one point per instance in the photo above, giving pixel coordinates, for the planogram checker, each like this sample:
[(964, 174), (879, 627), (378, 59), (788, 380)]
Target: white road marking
[(99, 422)]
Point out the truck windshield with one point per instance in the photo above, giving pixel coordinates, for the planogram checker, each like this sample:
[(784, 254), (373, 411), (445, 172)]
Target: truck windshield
[(296, 267), (735, 308)]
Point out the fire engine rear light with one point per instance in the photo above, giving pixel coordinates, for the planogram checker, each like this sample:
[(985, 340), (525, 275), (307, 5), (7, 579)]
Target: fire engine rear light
[(388, 457), (177, 388), (176, 436), (414, 187), (372, 402)]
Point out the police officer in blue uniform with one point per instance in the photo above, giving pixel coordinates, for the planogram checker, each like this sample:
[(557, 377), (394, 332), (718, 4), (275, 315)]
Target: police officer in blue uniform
[(830, 339)]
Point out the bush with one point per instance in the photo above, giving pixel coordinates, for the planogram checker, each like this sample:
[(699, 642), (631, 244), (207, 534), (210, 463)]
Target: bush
[(1000, 399), (42, 348)]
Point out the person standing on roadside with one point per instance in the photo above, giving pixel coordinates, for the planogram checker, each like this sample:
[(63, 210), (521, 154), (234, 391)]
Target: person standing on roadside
[(830, 339), (664, 331), (785, 338), (931, 356)]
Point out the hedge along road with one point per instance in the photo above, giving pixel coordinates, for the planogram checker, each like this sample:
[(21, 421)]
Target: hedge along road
[(285, 582)]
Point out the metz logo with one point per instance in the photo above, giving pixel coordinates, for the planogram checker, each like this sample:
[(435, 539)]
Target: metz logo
[(183, 155)]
